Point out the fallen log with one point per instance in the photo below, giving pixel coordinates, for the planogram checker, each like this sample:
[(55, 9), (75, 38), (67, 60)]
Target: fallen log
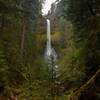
[(89, 90)]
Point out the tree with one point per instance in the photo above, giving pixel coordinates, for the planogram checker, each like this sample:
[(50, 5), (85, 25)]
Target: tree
[(19, 38), (84, 16)]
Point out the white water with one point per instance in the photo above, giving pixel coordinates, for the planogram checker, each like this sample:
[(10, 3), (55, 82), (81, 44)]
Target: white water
[(51, 55), (50, 52)]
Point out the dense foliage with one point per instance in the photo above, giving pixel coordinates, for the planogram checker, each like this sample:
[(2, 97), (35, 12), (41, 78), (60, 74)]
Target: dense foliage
[(75, 33), (85, 19), (84, 16), (22, 69)]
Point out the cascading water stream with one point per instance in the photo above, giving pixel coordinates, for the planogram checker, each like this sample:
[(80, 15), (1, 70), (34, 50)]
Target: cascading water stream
[(50, 52), (48, 39), (51, 59)]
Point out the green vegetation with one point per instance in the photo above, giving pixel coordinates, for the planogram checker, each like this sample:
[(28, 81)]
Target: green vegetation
[(75, 34)]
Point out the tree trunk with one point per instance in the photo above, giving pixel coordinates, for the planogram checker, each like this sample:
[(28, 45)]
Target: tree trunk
[(23, 38), (2, 24), (88, 91)]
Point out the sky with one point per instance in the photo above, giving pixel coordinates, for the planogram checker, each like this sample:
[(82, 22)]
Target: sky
[(47, 6)]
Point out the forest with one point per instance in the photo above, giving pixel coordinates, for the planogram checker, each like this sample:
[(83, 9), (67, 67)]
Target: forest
[(70, 71)]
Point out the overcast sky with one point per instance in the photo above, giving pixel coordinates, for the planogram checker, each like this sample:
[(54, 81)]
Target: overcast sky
[(47, 6)]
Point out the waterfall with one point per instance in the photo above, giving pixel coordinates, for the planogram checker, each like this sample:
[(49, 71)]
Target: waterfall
[(51, 59), (50, 52), (48, 38)]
